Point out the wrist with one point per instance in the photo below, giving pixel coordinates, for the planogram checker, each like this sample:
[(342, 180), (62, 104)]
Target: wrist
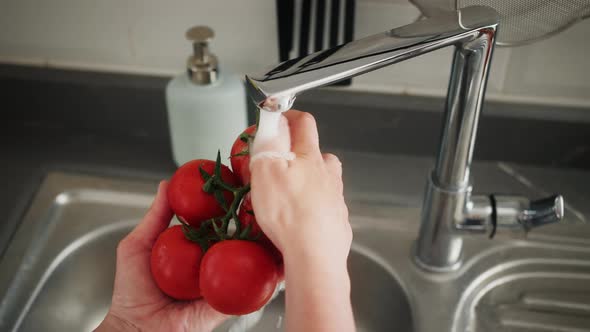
[(318, 293), (113, 323), (312, 255), (330, 269)]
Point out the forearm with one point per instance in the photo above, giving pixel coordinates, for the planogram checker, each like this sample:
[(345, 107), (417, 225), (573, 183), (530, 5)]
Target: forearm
[(317, 294)]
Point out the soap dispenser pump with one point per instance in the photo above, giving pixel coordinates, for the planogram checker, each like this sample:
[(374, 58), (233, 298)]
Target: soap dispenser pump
[(206, 106)]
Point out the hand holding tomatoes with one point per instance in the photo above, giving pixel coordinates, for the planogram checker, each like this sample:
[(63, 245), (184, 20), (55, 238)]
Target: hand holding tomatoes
[(299, 206), (138, 303)]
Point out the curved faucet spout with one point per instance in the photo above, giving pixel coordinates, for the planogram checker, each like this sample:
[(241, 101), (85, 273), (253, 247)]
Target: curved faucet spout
[(364, 55)]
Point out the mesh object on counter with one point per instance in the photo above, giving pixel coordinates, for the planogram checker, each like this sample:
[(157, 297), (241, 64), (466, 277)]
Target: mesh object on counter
[(522, 21)]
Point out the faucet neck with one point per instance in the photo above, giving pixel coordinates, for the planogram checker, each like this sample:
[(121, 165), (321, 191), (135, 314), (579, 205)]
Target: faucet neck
[(439, 246), (467, 85), (367, 54)]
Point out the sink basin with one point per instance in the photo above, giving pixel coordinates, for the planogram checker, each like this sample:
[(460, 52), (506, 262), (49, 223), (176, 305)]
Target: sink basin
[(375, 295), (533, 294), (63, 280), (57, 273)]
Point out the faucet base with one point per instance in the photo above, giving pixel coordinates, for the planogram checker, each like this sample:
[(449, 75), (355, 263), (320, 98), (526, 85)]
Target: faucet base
[(433, 268), (439, 247)]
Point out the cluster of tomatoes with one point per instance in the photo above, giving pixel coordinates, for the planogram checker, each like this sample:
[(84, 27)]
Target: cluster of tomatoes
[(219, 252)]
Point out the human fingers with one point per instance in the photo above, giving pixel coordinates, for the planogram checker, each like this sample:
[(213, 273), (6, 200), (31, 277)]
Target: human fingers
[(333, 164), (334, 167), (205, 318), (304, 133)]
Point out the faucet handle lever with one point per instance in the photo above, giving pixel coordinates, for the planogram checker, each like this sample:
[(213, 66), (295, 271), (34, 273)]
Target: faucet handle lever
[(543, 211), (515, 212)]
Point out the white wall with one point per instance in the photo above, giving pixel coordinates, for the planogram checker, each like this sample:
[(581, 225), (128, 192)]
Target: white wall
[(147, 36)]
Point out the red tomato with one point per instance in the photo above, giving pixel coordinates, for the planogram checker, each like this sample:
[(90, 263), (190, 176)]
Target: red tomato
[(237, 277), (240, 164), (246, 216), (187, 198), (175, 263), (272, 249)]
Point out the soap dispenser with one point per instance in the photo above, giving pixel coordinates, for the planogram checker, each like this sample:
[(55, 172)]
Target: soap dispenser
[(206, 105)]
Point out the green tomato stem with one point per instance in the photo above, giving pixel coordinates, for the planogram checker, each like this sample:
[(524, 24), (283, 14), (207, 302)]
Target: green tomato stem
[(231, 213)]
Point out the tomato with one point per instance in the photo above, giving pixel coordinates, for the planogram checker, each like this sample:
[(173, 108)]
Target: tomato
[(187, 198), (246, 216), (240, 164), (175, 263), (237, 277)]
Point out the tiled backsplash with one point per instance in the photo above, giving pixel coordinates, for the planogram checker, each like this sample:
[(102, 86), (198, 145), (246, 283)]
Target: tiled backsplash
[(147, 36)]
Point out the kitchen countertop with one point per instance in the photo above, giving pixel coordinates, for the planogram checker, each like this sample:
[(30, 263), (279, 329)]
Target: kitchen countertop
[(27, 158)]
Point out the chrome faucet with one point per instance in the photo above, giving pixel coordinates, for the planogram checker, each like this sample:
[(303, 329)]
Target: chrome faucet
[(449, 210)]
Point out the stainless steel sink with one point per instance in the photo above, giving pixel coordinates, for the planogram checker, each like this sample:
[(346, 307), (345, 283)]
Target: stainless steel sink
[(536, 295), (376, 294), (57, 273)]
